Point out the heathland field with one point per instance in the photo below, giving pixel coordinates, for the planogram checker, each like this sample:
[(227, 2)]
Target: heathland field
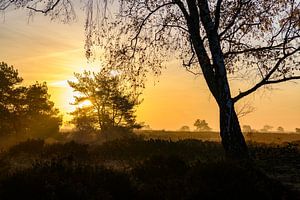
[(259, 137), (151, 165)]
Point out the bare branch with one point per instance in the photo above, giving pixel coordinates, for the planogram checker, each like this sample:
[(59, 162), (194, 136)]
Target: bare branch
[(245, 109), (192, 72), (234, 18), (217, 14), (5, 4), (135, 38), (250, 50), (176, 26), (283, 80), (182, 8), (44, 11), (266, 80)]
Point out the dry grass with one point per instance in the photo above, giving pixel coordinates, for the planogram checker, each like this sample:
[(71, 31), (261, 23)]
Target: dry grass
[(257, 137)]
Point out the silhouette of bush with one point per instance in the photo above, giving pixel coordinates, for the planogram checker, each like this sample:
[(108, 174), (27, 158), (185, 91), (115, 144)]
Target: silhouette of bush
[(30, 146), (161, 177), (70, 149), (158, 169), (38, 148), (231, 180), (170, 178), (63, 180), (139, 149)]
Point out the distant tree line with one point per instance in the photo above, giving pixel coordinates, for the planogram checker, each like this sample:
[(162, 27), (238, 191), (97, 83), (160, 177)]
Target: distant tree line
[(200, 125), (25, 110), (266, 128)]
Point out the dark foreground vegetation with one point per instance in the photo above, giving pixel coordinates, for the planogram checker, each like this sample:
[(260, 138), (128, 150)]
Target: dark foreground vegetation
[(146, 169)]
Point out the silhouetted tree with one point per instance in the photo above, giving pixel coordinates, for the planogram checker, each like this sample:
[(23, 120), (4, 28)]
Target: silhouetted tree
[(42, 118), (297, 130), (249, 132), (201, 125), (280, 129), (84, 119), (112, 104), (9, 94), (247, 128), (221, 37), (266, 128), (145, 126), (25, 110), (185, 129)]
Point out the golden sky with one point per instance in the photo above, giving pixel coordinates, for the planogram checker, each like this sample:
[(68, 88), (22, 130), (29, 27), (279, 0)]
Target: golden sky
[(50, 51)]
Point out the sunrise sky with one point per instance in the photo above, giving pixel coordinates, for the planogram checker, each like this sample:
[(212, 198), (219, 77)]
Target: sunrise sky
[(50, 51)]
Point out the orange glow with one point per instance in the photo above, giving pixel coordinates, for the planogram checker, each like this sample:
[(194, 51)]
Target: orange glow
[(85, 103), (52, 52)]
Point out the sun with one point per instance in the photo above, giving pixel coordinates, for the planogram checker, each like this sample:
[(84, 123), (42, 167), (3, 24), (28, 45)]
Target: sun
[(85, 103)]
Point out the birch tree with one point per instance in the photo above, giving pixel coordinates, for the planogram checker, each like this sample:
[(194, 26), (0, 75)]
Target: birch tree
[(217, 38)]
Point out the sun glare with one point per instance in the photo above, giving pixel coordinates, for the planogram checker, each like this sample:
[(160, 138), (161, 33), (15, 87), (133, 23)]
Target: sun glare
[(114, 73), (85, 103)]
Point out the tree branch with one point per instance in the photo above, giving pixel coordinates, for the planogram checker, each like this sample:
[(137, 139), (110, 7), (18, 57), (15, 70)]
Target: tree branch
[(182, 8), (283, 80), (266, 80), (176, 26), (5, 4), (235, 16), (44, 11), (249, 50), (135, 38), (217, 14)]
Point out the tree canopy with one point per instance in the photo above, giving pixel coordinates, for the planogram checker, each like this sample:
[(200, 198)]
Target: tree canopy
[(112, 104), (247, 129), (266, 128), (201, 125), (25, 110), (185, 128)]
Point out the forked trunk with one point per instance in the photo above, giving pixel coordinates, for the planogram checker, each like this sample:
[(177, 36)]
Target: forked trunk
[(232, 138), (214, 71)]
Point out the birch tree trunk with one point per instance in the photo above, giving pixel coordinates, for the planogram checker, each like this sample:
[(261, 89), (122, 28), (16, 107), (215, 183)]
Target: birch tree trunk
[(214, 71), (232, 138)]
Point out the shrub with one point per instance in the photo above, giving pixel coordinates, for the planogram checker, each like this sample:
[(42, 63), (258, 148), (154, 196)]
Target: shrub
[(60, 180)]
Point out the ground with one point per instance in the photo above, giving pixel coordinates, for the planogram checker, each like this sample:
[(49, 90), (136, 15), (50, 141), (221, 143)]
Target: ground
[(152, 165)]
